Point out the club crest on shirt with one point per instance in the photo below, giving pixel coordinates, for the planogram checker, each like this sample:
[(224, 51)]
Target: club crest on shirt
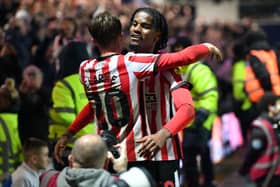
[(150, 98)]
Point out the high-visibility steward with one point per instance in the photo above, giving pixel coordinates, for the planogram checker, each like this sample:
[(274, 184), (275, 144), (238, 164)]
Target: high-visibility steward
[(238, 85), (68, 98), (10, 146), (271, 154), (261, 74), (204, 93), (196, 137)]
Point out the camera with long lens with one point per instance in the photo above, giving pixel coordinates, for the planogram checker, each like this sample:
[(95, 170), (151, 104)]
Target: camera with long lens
[(110, 139)]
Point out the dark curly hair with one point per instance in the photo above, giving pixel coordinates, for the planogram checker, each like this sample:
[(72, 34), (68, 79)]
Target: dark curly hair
[(159, 24)]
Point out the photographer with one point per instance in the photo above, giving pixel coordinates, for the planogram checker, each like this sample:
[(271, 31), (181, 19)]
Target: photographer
[(87, 163), (262, 158)]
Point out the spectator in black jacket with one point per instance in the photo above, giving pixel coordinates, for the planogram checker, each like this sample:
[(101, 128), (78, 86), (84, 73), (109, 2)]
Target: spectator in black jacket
[(35, 101)]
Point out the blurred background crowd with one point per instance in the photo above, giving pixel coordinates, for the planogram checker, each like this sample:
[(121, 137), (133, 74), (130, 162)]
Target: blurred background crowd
[(33, 31)]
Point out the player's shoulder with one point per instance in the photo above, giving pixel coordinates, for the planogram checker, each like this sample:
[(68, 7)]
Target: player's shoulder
[(140, 54), (86, 61), (84, 65), (141, 57)]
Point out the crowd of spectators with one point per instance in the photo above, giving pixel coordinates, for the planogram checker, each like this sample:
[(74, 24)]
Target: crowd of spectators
[(33, 32)]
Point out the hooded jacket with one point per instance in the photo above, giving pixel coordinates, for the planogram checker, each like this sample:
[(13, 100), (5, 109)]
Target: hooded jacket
[(79, 177)]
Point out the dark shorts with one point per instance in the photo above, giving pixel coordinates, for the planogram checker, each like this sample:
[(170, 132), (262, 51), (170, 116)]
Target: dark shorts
[(165, 173)]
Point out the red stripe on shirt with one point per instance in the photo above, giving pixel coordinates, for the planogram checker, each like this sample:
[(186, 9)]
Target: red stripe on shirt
[(106, 74), (124, 79), (163, 109)]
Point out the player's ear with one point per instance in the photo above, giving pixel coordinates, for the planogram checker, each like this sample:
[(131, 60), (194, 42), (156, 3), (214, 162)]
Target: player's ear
[(157, 36)]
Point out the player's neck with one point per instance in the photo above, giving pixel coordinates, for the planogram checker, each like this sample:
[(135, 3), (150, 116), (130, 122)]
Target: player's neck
[(138, 49), (108, 53), (111, 48)]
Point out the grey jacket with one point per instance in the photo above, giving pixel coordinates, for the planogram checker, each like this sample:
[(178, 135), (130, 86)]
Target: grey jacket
[(84, 177)]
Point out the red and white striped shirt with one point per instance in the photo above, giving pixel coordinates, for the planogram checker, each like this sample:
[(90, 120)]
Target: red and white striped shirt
[(160, 109), (113, 89)]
